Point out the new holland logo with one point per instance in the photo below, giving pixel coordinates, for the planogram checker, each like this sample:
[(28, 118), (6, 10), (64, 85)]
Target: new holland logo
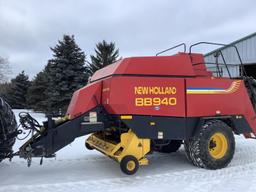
[(206, 90)]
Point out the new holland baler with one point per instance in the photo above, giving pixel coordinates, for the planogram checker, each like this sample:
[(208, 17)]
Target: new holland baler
[(143, 104)]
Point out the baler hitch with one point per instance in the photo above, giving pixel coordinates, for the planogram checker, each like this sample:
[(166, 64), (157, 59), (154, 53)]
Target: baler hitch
[(53, 135)]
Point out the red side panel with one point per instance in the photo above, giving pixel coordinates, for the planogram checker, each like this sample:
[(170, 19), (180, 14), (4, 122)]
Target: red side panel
[(210, 97), (206, 96), (144, 96), (85, 99)]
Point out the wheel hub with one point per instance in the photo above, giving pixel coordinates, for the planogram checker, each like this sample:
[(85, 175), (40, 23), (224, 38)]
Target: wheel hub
[(218, 145), (131, 165)]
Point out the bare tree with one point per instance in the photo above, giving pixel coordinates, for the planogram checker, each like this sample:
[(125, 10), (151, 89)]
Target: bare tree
[(4, 69)]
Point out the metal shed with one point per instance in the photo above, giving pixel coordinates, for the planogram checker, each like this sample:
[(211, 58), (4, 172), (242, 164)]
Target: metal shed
[(247, 50)]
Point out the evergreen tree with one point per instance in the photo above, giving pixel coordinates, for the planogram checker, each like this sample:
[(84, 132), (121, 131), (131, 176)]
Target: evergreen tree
[(66, 73), (5, 90), (106, 54), (36, 96), (18, 91)]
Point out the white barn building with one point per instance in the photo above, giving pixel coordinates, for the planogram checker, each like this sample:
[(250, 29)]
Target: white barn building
[(247, 49)]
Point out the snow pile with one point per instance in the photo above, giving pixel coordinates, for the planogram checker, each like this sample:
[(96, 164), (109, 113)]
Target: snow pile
[(77, 169)]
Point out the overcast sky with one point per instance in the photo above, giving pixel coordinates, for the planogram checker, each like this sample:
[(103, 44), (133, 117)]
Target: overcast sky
[(138, 27)]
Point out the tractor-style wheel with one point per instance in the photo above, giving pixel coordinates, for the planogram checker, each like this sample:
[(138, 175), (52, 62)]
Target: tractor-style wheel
[(129, 165), (187, 150), (173, 146), (213, 148), (88, 146), (8, 128)]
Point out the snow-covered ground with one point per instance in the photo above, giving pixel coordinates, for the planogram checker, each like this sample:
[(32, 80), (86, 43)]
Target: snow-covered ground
[(77, 169)]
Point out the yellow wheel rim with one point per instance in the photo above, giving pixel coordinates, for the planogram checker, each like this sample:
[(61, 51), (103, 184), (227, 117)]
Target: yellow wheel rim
[(130, 165), (218, 145)]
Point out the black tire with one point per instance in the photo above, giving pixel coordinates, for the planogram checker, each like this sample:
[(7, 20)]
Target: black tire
[(8, 128), (88, 146), (126, 167), (187, 151), (200, 151), (173, 146)]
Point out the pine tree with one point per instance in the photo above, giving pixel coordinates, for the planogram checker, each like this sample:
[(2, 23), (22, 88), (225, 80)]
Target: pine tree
[(66, 73), (18, 91), (36, 96), (5, 90), (106, 54)]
